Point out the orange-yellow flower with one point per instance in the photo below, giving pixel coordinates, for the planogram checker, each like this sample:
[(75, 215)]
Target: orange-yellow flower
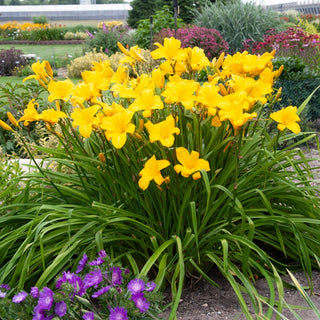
[(208, 95), (42, 71), (171, 49), (5, 126), (233, 107), (147, 101), (30, 113), (100, 79), (287, 118), (60, 90), (117, 126), (158, 77), (197, 59), (131, 56), (52, 116), (84, 92), (13, 119), (163, 131), (190, 163), (84, 118), (151, 171), (179, 90)]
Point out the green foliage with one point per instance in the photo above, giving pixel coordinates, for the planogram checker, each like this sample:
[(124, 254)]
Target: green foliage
[(237, 21), (40, 19), (14, 98), (161, 19), (141, 9), (107, 40), (83, 63), (49, 33)]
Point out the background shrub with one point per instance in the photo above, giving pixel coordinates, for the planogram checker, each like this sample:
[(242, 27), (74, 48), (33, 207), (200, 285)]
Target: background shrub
[(293, 42), (210, 40), (11, 59), (81, 64), (237, 21), (48, 33), (161, 19), (106, 39), (40, 19)]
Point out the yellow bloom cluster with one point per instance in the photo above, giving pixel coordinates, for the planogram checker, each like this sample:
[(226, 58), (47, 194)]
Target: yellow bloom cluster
[(149, 107), (110, 24), (22, 26)]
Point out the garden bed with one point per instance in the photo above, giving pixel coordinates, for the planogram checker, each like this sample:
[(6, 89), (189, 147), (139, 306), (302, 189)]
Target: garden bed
[(15, 42)]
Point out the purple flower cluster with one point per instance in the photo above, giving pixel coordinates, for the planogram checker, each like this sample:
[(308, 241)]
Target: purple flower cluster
[(99, 279), (210, 40)]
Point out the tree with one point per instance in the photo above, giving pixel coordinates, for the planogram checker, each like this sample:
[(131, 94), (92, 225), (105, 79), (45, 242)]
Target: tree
[(141, 9)]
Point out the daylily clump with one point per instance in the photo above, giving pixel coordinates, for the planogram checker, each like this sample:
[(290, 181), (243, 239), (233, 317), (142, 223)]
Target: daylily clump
[(160, 113)]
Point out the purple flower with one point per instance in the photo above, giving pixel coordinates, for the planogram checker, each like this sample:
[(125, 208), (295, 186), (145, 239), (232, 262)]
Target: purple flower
[(104, 28), (127, 271), (5, 286), (82, 263), (106, 50), (19, 297), (150, 286), (101, 292), (45, 299), (88, 316), (2, 294), (96, 262), (34, 292), (140, 301), (118, 313), (90, 34), (102, 253), (60, 308), (75, 281), (92, 279), (136, 285), (116, 275), (38, 314)]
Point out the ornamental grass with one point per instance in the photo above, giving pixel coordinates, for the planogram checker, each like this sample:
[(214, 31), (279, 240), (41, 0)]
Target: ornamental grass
[(173, 176)]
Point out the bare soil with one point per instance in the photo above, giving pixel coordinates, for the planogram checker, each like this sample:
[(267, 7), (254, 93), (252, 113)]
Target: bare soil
[(202, 301)]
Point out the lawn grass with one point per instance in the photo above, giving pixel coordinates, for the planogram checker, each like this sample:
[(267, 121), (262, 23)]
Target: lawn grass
[(57, 55)]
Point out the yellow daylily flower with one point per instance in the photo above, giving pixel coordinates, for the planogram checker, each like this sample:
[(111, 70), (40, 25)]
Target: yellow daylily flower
[(117, 126), (100, 79), (84, 92), (232, 108), (163, 131), (30, 113), (151, 171), (170, 50), (5, 126), (60, 90), (42, 71), (52, 116), (179, 90), (256, 90), (147, 101), (173, 67), (197, 59), (121, 75), (190, 163), (131, 56), (287, 118), (13, 119), (158, 77), (208, 95), (84, 118)]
